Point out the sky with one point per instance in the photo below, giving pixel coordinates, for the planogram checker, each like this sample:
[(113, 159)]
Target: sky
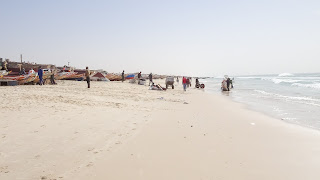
[(198, 38)]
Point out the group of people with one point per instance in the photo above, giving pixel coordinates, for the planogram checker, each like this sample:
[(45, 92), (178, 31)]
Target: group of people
[(227, 84), (41, 73), (186, 82)]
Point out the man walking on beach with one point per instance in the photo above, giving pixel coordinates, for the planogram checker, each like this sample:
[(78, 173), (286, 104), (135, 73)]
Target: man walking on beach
[(150, 79), (139, 75), (122, 75), (40, 74), (87, 74), (184, 82)]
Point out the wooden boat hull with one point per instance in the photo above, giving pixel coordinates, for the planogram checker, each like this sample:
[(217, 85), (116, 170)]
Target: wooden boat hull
[(114, 77)]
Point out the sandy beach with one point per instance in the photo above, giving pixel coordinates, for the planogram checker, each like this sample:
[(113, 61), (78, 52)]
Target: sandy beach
[(125, 131)]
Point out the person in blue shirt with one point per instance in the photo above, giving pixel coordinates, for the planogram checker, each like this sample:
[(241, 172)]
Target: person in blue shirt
[(40, 74)]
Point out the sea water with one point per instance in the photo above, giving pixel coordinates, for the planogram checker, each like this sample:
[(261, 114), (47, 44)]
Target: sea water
[(294, 98)]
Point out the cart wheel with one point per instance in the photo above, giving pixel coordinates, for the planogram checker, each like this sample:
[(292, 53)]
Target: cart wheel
[(202, 86)]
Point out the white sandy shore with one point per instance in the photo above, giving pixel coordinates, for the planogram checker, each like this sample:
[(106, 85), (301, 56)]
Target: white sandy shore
[(124, 131)]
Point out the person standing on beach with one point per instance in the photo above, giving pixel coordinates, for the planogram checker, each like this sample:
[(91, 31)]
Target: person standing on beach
[(52, 77), (228, 84), (122, 75), (150, 79), (139, 75), (87, 74), (231, 83), (40, 74), (184, 82)]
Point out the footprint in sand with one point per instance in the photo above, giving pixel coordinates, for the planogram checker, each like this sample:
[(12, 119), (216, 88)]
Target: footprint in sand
[(90, 149), (90, 164)]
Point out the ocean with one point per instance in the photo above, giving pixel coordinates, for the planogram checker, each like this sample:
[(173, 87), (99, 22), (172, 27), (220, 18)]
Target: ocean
[(294, 98)]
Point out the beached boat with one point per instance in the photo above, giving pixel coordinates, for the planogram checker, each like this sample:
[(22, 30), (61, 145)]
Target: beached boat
[(28, 78), (99, 77), (130, 76), (66, 75), (22, 79), (114, 77), (13, 77)]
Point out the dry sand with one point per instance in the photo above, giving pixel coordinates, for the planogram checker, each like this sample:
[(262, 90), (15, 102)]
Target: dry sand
[(125, 131)]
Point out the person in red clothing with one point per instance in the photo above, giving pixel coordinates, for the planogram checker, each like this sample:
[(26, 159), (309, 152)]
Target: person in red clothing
[(184, 82)]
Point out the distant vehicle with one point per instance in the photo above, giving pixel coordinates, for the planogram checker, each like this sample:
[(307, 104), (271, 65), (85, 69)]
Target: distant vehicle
[(170, 82)]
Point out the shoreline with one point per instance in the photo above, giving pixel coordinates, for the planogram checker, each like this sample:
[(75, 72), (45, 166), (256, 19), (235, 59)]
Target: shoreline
[(269, 114), (107, 133)]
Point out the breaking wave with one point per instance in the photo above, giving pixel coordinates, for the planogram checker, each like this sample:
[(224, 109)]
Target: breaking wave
[(285, 74), (278, 81)]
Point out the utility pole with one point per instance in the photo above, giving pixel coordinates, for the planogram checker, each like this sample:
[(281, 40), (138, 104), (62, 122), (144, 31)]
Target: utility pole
[(21, 58), (68, 63)]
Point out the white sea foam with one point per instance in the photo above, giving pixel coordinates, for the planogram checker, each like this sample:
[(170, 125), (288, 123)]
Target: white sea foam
[(288, 119), (285, 74), (299, 99), (278, 81), (314, 86)]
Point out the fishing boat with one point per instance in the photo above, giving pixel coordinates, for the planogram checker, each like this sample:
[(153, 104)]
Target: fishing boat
[(114, 77), (21, 79), (99, 77), (65, 75), (28, 78), (130, 76)]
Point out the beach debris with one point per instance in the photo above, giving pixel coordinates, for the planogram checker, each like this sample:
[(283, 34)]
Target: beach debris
[(185, 103), (191, 126), (253, 124), (161, 98)]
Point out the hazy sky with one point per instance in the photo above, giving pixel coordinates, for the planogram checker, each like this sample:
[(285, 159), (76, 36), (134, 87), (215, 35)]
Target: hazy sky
[(169, 37)]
